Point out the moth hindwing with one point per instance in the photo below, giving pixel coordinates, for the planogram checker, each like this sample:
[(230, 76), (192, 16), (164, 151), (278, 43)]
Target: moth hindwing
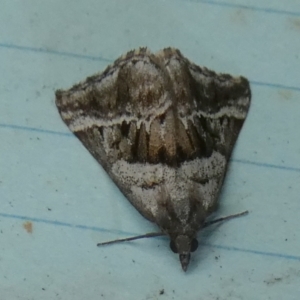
[(163, 128)]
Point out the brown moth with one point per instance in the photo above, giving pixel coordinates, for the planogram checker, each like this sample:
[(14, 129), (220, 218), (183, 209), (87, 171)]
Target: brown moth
[(163, 129)]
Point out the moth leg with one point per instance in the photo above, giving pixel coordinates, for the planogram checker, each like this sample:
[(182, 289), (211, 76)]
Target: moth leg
[(206, 224), (147, 235)]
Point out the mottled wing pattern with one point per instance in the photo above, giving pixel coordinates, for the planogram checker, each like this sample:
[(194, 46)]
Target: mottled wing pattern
[(162, 127), (112, 112), (211, 106)]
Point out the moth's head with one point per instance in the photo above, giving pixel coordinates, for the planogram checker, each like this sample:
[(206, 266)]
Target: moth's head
[(184, 245)]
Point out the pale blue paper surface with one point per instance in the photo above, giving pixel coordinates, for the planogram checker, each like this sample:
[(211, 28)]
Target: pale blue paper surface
[(50, 184)]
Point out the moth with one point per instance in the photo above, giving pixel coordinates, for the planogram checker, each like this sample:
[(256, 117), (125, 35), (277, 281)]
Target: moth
[(163, 128)]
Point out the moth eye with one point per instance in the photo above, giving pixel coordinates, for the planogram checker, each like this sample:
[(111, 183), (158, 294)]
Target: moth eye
[(194, 245), (173, 247)]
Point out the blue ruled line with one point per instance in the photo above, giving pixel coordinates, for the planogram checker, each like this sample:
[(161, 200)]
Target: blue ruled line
[(265, 253), (248, 162), (59, 223), (249, 7), (33, 129), (123, 233), (69, 134), (275, 85), (54, 52), (88, 57)]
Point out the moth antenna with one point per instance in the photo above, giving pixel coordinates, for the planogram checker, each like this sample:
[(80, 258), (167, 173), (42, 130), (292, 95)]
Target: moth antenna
[(206, 224), (147, 235)]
